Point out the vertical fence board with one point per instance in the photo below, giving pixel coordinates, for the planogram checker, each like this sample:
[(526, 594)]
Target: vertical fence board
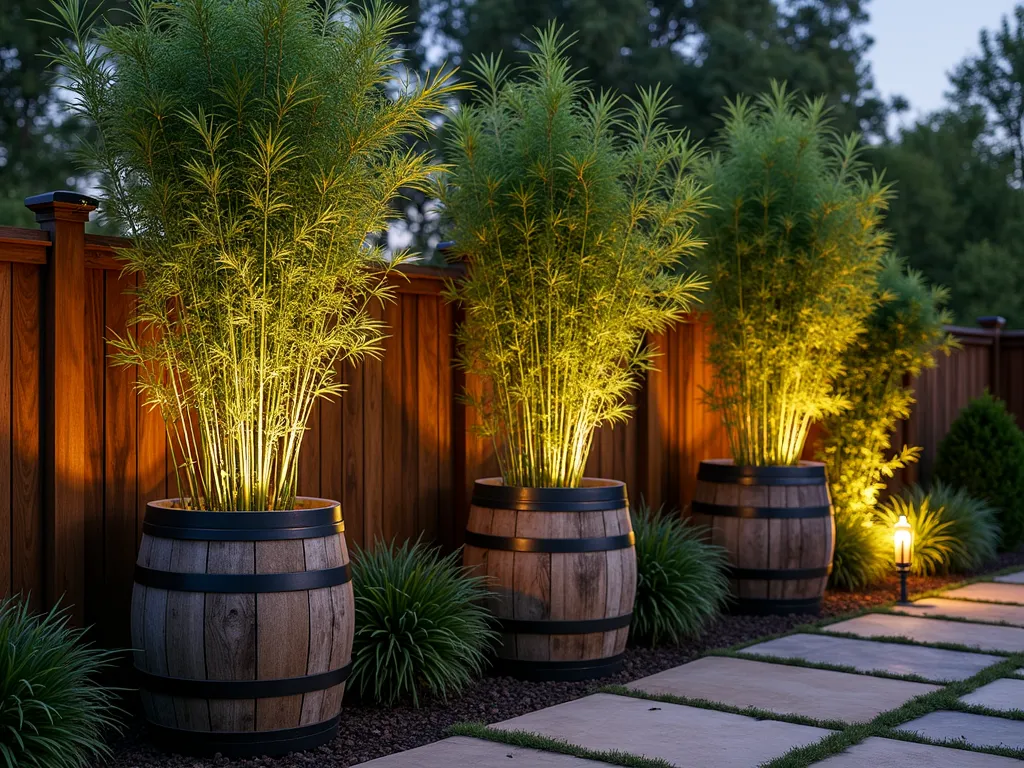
[(26, 416), (352, 461), (5, 429), (410, 419), (427, 394), (392, 417), (120, 466), (95, 441), (373, 448)]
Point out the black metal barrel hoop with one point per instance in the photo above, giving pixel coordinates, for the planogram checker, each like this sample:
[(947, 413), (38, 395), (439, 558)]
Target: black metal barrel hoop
[(595, 496)]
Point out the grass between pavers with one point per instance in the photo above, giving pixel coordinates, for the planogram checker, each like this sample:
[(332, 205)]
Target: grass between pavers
[(754, 712), (529, 740), (796, 661), (884, 724), (961, 619)]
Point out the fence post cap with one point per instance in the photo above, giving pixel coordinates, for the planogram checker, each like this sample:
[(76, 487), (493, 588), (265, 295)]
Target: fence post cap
[(62, 205), (992, 321)]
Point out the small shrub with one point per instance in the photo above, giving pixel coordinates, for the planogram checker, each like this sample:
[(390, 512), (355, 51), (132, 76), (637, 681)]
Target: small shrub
[(983, 454), (935, 545), (975, 524), (53, 713), (420, 623), (681, 581), (863, 553)]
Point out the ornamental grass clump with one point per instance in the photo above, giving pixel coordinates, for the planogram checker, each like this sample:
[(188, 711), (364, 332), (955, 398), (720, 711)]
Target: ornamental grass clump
[(252, 150), (681, 579), (420, 623), (574, 213), (793, 246), (900, 339), (53, 711), (975, 524)]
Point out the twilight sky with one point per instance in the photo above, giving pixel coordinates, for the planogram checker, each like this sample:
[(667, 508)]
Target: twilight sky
[(918, 41)]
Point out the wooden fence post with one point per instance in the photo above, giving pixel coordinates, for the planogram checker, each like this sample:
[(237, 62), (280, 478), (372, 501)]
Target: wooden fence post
[(63, 215), (995, 323)]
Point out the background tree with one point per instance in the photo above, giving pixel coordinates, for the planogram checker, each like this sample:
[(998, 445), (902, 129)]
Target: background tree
[(36, 129)]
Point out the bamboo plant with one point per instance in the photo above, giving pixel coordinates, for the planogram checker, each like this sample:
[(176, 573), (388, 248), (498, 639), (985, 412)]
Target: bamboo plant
[(572, 212), (252, 151), (793, 247)]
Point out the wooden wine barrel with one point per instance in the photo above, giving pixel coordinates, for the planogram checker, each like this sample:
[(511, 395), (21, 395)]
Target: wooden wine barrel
[(562, 567), (778, 527), (242, 625)]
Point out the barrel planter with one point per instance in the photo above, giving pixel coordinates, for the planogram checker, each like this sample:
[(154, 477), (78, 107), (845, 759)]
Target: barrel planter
[(242, 627), (562, 568), (778, 527)]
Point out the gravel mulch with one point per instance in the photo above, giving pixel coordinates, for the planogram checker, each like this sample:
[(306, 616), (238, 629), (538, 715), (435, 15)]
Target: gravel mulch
[(368, 732)]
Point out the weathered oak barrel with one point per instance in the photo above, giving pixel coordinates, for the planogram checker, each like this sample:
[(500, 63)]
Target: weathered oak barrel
[(242, 625), (778, 527), (562, 567)]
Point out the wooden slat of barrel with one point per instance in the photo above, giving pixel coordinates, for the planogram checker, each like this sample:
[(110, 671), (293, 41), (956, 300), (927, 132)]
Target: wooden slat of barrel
[(342, 603), (795, 544), (590, 585), (285, 629), (230, 632), (627, 571), (613, 526), (186, 654), (531, 583), (154, 632), (752, 544), (563, 607), (501, 570), (321, 631), (778, 530)]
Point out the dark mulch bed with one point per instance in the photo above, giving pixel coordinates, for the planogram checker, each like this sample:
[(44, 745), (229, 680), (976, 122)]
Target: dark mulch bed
[(370, 732)]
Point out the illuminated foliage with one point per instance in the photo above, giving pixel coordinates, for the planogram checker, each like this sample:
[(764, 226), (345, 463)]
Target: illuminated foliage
[(793, 245), (252, 150), (899, 340), (572, 212)]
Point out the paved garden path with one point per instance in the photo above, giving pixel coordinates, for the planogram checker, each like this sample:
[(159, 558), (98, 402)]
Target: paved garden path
[(939, 684)]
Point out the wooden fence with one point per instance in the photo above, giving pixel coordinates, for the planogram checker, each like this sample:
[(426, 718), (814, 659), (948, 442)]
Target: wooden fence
[(80, 455)]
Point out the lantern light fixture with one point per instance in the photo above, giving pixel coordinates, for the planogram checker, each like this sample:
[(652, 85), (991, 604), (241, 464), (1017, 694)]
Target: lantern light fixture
[(903, 544)]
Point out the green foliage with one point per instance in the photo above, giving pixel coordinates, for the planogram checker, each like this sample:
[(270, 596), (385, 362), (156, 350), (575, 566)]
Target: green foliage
[(975, 524), (983, 454), (935, 544), (681, 581), (793, 249), (899, 340), (864, 550), (420, 623), (251, 150), (53, 712), (955, 215), (572, 214)]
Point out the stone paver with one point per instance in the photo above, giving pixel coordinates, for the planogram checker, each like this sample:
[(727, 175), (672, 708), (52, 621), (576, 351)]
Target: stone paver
[(888, 753), (986, 637), (977, 730), (784, 689), (865, 656), (683, 736), (1012, 578), (965, 609), (461, 752), (990, 591), (1003, 695)]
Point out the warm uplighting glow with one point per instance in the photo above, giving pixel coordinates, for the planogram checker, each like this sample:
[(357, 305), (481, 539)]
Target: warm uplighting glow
[(903, 540)]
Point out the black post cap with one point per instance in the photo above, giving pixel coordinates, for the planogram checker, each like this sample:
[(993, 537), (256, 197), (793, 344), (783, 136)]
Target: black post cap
[(61, 196)]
